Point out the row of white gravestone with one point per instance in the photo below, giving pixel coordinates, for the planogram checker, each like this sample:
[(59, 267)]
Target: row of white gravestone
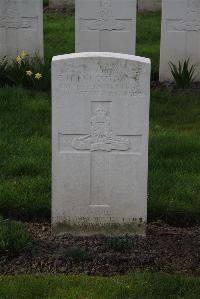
[(100, 108), (142, 5), (110, 25), (21, 27), (105, 25)]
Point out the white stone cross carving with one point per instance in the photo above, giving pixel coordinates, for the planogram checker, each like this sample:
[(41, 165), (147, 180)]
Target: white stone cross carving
[(100, 143), (105, 21), (17, 23), (11, 20), (101, 137), (192, 20)]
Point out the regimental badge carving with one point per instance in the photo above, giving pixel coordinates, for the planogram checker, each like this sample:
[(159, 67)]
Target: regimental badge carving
[(187, 26), (106, 20), (11, 17), (192, 21), (9, 22), (101, 137)]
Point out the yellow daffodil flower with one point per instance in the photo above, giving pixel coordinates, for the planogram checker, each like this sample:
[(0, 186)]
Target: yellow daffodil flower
[(18, 59), (38, 76), (23, 54), (29, 73)]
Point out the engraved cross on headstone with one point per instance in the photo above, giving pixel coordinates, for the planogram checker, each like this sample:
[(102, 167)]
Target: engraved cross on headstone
[(10, 20), (190, 23), (102, 144), (105, 21)]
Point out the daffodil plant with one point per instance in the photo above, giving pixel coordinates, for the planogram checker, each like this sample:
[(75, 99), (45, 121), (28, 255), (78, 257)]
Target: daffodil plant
[(27, 71)]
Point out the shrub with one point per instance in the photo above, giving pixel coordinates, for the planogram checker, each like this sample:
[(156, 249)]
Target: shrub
[(14, 237), (76, 253), (120, 244), (183, 74)]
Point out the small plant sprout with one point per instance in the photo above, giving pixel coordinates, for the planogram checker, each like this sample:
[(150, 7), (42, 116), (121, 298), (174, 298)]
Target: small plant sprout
[(183, 74)]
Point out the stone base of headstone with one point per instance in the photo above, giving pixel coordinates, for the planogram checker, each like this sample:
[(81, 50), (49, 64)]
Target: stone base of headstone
[(89, 229), (149, 5)]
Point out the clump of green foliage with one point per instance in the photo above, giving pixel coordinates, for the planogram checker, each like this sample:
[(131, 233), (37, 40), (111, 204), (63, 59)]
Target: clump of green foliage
[(26, 71), (183, 74), (14, 237), (3, 72), (120, 244), (76, 253)]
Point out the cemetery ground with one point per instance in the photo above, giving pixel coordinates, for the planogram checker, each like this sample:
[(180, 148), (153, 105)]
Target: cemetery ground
[(173, 234)]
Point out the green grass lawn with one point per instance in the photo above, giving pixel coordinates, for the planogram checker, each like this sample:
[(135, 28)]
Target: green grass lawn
[(135, 286), (25, 140)]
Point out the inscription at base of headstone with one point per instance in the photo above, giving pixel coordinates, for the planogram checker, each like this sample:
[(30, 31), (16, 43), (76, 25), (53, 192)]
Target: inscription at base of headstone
[(21, 27), (180, 35), (106, 25), (100, 108)]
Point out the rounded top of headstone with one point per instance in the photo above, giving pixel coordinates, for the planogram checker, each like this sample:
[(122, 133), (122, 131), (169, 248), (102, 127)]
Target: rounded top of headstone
[(101, 55)]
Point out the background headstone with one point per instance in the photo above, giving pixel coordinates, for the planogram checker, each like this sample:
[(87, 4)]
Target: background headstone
[(180, 37), (21, 27), (149, 5), (105, 26), (100, 128)]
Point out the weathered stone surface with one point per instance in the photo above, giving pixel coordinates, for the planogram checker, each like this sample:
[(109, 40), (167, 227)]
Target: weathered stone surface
[(180, 37), (21, 27), (106, 25), (149, 5), (100, 109)]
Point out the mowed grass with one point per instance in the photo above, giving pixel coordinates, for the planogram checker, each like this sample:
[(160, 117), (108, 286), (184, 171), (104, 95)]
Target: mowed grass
[(59, 35), (148, 39), (174, 159), (25, 139), (25, 153), (135, 286)]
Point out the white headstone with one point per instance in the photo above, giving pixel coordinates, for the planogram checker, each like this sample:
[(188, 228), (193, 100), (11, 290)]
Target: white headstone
[(180, 37), (100, 143), (149, 5), (21, 27), (105, 25)]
